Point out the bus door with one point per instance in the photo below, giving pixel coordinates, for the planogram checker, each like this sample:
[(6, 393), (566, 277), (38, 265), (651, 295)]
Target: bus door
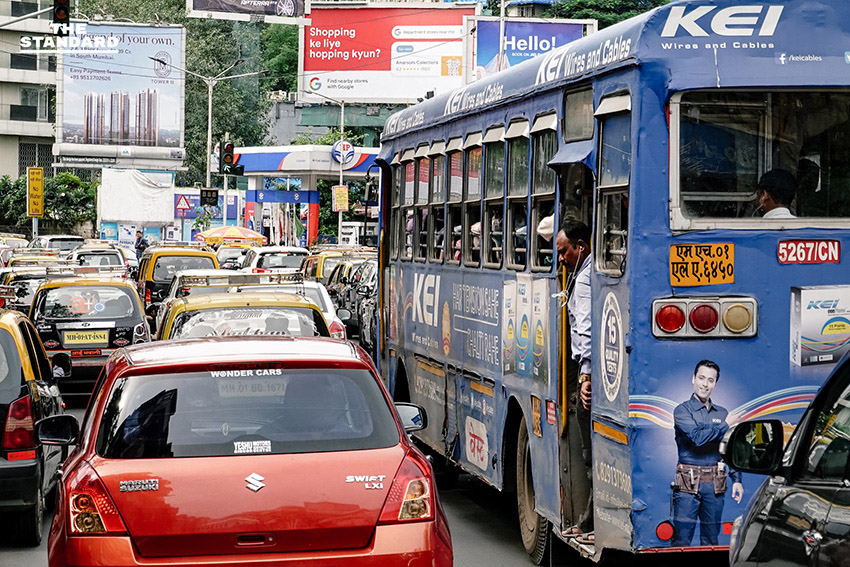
[(576, 188)]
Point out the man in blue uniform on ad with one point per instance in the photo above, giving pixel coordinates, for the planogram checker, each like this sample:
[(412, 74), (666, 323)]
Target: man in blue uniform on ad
[(700, 486)]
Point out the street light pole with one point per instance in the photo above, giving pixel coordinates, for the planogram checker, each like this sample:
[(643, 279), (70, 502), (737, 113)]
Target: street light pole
[(341, 104), (211, 82)]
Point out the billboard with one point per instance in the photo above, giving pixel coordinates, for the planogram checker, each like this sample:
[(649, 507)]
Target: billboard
[(387, 54), (271, 11), (116, 105), (524, 38)]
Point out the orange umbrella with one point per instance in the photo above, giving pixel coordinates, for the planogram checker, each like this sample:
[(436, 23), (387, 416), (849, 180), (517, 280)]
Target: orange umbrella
[(231, 234)]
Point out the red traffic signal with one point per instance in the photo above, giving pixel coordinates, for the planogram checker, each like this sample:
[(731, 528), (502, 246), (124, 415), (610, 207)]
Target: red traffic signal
[(62, 15)]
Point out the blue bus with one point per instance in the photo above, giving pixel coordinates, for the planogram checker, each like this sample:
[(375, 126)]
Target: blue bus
[(656, 132)]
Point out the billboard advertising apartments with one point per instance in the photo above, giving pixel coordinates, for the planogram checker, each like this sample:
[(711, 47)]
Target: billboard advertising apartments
[(392, 55), (116, 104)]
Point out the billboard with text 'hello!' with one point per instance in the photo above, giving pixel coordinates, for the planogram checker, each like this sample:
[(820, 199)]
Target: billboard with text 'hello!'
[(387, 54)]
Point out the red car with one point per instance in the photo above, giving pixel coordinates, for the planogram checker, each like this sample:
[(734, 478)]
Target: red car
[(233, 450)]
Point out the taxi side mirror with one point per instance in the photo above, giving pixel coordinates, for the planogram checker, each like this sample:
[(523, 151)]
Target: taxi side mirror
[(755, 446), (61, 364), (57, 430), (343, 314)]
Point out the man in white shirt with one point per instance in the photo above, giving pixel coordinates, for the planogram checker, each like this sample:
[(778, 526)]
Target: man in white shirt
[(776, 191)]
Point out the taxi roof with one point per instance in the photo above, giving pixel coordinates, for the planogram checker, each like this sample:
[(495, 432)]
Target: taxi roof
[(240, 349), (245, 299), (178, 251), (87, 280)]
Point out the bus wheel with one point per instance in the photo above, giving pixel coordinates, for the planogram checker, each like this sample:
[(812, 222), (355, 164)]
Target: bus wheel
[(533, 528)]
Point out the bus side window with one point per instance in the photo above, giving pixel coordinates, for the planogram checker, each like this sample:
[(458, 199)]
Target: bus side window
[(615, 162), (406, 243), (494, 193), (544, 145), (395, 220), (437, 215), (423, 172), (455, 220), (516, 225), (472, 207)]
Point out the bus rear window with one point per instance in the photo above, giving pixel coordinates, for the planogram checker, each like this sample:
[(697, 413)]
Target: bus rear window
[(729, 140)]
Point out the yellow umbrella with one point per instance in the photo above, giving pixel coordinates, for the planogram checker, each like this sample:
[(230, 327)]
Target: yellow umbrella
[(230, 234)]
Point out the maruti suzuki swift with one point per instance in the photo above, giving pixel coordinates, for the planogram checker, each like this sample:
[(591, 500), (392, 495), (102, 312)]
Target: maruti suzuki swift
[(271, 451)]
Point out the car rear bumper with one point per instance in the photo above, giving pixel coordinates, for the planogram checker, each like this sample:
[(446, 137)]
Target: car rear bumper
[(18, 484), (84, 360), (408, 545)]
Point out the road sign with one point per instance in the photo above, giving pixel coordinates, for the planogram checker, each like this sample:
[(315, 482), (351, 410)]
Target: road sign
[(183, 204), (209, 197), (340, 198), (35, 191)]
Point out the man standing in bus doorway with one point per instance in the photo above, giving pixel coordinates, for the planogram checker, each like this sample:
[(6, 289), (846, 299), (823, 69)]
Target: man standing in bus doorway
[(573, 246), (699, 489)]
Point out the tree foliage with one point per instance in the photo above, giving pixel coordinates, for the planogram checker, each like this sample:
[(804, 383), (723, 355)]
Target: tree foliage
[(607, 12), (68, 202), (279, 48)]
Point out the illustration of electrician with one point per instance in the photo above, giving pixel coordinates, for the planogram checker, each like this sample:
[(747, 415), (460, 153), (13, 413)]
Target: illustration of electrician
[(699, 489)]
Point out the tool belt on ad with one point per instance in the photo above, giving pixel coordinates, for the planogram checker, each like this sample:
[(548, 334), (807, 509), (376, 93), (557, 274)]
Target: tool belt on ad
[(689, 477)]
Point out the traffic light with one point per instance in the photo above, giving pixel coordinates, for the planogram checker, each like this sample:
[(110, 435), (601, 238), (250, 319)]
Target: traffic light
[(227, 160), (62, 16)]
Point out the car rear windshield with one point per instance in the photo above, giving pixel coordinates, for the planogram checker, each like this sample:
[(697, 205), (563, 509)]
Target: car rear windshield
[(10, 368), (87, 302), (167, 266), (272, 320), (279, 260), (265, 409), (65, 244), (100, 259), (26, 286)]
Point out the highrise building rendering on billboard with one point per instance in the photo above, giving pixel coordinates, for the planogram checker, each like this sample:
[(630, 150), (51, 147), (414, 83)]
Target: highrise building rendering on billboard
[(94, 118), (119, 118), (147, 118)]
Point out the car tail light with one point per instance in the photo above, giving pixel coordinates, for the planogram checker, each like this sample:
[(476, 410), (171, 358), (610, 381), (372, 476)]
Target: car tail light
[(140, 334), (90, 509), (19, 433), (411, 495), (337, 330), (260, 270), (147, 296), (670, 318), (704, 318)]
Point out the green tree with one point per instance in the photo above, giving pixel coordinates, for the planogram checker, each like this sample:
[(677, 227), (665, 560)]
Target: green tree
[(68, 202), (607, 12), (279, 48), (204, 217)]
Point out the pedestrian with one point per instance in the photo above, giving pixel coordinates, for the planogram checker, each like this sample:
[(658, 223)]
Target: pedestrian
[(573, 245), (141, 245), (699, 489), (776, 191)]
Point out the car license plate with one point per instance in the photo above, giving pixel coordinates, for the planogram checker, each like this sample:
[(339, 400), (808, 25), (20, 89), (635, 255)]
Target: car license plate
[(86, 337)]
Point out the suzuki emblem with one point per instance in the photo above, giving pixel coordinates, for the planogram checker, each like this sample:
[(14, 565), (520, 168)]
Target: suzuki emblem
[(255, 482)]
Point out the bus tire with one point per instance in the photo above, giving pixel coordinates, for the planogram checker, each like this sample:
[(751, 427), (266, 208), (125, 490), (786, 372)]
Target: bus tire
[(534, 529)]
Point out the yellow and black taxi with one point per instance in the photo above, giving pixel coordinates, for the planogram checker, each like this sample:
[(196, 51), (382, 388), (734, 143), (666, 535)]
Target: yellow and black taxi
[(28, 392), (13, 240), (319, 265), (26, 280), (99, 253), (247, 313), (159, 264), (21, 257), (88, 317)]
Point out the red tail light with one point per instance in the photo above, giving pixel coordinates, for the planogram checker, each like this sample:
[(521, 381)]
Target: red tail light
[(2, 302), (703, 318), (337, 330), (260, 270), (19, 433), (411, 496), (670, 318), (90, 509), (147, 296)]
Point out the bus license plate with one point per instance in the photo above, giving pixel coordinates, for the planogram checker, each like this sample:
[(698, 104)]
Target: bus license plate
[(86, 337), (702, 264)]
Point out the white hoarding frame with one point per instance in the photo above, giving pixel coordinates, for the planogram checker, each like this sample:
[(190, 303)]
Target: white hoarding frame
[(95, 156), (470, 23), (305, 96)]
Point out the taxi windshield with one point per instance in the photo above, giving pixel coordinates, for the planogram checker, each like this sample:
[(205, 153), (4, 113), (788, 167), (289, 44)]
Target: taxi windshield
[(279, 260), (26, 286), (100, 259), (272, 320), (224, 412), (167, 266), (87, 302)]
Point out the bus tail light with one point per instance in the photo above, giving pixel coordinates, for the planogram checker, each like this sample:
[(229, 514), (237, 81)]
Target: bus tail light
[(665, 530), (703, 318), (670, 318), (685, 317)]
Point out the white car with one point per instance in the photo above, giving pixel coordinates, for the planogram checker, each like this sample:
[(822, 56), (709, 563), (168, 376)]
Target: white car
[(268, 259), (312, 290)]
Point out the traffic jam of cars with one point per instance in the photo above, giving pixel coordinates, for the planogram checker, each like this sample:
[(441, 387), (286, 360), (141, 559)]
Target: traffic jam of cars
[(234, 366)]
